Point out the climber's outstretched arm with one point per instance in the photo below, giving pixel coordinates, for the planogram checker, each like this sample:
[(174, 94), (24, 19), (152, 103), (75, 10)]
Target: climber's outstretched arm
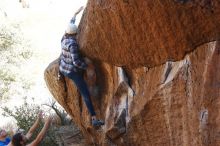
[(78, 11)]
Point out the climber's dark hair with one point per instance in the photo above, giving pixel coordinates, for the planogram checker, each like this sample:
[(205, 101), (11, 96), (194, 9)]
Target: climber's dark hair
[(16, 139)]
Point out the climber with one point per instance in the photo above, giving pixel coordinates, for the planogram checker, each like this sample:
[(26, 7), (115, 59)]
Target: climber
[(4, 140), (73, 66), (19, 139)]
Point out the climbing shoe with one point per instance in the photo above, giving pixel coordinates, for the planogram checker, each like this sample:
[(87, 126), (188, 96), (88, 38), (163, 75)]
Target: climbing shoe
[(97, 123)]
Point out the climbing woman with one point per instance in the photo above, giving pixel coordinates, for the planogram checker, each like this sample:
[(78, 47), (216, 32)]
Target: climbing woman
[(73, 66)]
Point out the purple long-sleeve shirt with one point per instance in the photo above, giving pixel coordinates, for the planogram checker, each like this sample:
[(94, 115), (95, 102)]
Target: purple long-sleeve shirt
[(70, 59)]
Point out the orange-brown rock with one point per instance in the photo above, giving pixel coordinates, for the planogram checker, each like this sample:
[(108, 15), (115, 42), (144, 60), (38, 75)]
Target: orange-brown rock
[(147, 32), (172, 103)]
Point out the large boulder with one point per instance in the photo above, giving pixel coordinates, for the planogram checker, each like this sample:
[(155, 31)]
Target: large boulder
[(138, 33), (145, 97), (176, 103)]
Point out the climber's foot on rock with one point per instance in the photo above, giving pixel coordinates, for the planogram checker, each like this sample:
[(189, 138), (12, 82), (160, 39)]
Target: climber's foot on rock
[(97, 123)]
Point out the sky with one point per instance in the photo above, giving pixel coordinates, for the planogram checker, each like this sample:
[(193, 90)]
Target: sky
[(43, 23)]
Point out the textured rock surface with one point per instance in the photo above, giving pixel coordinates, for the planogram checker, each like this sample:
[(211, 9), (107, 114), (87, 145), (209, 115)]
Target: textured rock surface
[(169, 104), (69, 136), (147, 32), (173, 104)]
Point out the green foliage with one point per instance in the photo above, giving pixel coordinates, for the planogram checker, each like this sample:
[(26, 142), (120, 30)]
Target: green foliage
[(6, 78), (13, 47), (13, 52), (6, 38), (25, 115), (9, 36)]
